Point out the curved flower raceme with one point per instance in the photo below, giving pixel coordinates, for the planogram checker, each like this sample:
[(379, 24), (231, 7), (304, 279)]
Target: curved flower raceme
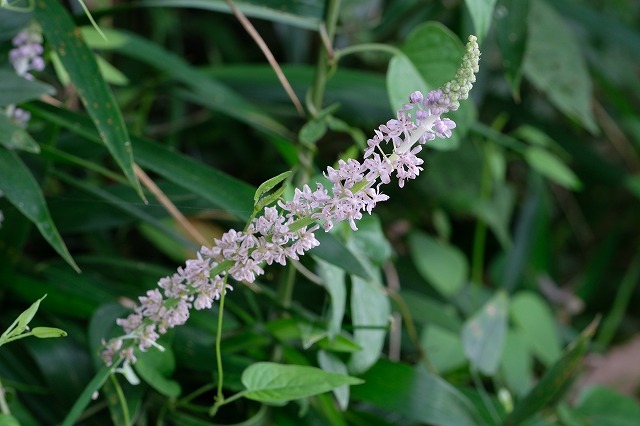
[(287, 232)]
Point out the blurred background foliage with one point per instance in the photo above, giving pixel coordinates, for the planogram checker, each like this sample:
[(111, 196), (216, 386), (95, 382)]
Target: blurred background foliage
[(523, 228)]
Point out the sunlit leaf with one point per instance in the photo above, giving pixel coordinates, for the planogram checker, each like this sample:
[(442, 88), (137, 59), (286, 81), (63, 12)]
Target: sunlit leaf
[(271, 382), (484, 333)]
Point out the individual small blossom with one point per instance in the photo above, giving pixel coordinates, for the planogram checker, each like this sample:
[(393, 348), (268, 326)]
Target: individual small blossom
[(26, 56), (17, 115), (279, 235)]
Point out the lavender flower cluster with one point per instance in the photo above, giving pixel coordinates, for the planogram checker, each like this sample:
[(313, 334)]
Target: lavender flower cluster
[(288, 232), (26, 56)]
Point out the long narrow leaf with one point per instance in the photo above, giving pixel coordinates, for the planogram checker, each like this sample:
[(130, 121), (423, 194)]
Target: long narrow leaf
[(21, 189), (81, 65)]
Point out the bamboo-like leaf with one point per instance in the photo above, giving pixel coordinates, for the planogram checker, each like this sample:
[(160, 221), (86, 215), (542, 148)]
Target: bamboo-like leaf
[(83, 70), (22, 190)]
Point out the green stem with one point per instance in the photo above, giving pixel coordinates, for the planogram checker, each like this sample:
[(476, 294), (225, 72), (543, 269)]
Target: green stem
[(123, 400), (220, 396), (320, 81)]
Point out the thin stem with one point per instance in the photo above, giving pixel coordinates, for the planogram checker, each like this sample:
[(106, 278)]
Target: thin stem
[(220, 396), (333, 9), (126, 417), (267, 53), (285, 291)]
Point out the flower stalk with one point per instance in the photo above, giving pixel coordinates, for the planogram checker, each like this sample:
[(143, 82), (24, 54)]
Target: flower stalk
[(286, 231)]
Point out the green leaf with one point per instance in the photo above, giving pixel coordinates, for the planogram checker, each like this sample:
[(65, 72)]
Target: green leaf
[(269, 185), (80, 64), (12, 22), (555, 65), (8, 420), (312, 131), (416, 394), (481, 12), (517, 364), (599, 405), (443, 348), (20, 324), (306, 15), (22, 190), (432, 55), (331, 363), (77, 410), (48, 332), (333, 280), (535, 322), (271, 382), (15, 89), (334, 251), (219, 188), (444, 266), (512, 32), (551, 167), (204, 90), (484, 333), (155, 367), (554, 382), (13, 136), (371, 241), (370, 310)]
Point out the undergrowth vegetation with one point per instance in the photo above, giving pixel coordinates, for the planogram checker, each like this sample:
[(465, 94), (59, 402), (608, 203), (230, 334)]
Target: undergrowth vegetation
[(319, 213)]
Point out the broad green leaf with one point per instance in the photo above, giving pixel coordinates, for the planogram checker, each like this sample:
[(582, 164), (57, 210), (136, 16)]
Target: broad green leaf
[(511, 31), (79, 62), (555, 65), (599, 405), (535, 322), (306, 15), (333, 280), (371, 241), (312, 131), (204, 90), (21, 189), (334, 251), (15, 89), (415, 394), (551, 167), (442, 348), (48, 332), (483, 334), (444, 266), (554, 382), (517, 364), (13, 136), (425, 310), (155, 367), (271, 382), (481, 12), (331, 363), (431, 57), (370, 312)]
